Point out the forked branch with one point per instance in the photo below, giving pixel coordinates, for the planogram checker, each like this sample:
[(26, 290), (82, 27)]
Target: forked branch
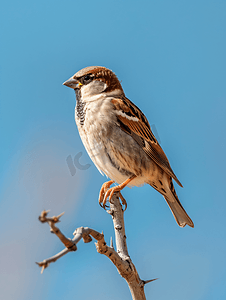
[(119, 258)]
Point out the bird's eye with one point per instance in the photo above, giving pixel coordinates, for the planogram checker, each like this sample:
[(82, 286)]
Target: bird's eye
[(87, 77)]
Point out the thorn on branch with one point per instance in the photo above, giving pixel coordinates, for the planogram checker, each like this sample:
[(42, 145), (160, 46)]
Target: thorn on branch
[(43, 265), (59, 216), (143, 282), (43, 217)]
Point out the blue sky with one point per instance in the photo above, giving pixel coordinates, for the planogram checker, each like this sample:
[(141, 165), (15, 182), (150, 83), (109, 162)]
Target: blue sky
[(170, 57)]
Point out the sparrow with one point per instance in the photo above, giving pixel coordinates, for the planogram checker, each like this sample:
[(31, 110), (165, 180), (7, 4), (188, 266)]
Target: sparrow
[(119, 140)]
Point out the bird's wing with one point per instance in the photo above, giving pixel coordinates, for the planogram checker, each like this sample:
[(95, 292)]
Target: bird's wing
[(133, 122)]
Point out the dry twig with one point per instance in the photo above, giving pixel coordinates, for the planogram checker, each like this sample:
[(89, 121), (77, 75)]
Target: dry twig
[(119, 258)]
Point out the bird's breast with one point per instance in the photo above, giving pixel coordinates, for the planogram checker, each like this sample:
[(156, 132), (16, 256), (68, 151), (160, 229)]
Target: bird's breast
[(114, 152), (95, 126)]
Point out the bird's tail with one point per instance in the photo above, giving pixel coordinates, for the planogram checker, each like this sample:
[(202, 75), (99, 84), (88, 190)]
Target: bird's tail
[(177, 209)]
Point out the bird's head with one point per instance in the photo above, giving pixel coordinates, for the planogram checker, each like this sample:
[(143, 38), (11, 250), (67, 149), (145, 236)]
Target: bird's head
[(92, 81)]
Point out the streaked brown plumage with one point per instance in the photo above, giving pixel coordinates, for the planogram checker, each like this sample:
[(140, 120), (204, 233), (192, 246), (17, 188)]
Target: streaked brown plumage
[(119, 140)]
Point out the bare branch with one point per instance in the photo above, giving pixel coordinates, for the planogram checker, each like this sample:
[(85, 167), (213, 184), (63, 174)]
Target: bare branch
[(45, 263), (52, 221), (134, 282), (117, 213), (119, 257), (79, 233)]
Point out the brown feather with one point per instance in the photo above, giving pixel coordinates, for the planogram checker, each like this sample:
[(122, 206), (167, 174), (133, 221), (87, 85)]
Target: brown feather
[(142, 128)]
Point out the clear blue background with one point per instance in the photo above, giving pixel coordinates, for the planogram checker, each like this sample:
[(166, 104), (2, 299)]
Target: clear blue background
[(170, 57)]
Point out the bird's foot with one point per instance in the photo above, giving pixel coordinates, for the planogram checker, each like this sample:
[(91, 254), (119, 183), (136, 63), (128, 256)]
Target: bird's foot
[(106, 192), (103, 191)]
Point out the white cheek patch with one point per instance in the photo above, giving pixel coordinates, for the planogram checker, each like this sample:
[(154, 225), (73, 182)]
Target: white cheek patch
[(85, 91), (120, 113), (93, 89)]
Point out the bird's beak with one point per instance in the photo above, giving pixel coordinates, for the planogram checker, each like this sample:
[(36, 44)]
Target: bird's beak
[(72, 83)]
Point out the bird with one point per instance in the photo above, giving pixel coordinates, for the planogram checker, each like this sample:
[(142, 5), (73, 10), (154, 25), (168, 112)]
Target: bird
[(119, 140)]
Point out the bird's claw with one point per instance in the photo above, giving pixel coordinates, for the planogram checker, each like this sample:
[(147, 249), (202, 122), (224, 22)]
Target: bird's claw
[(107, 193)]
